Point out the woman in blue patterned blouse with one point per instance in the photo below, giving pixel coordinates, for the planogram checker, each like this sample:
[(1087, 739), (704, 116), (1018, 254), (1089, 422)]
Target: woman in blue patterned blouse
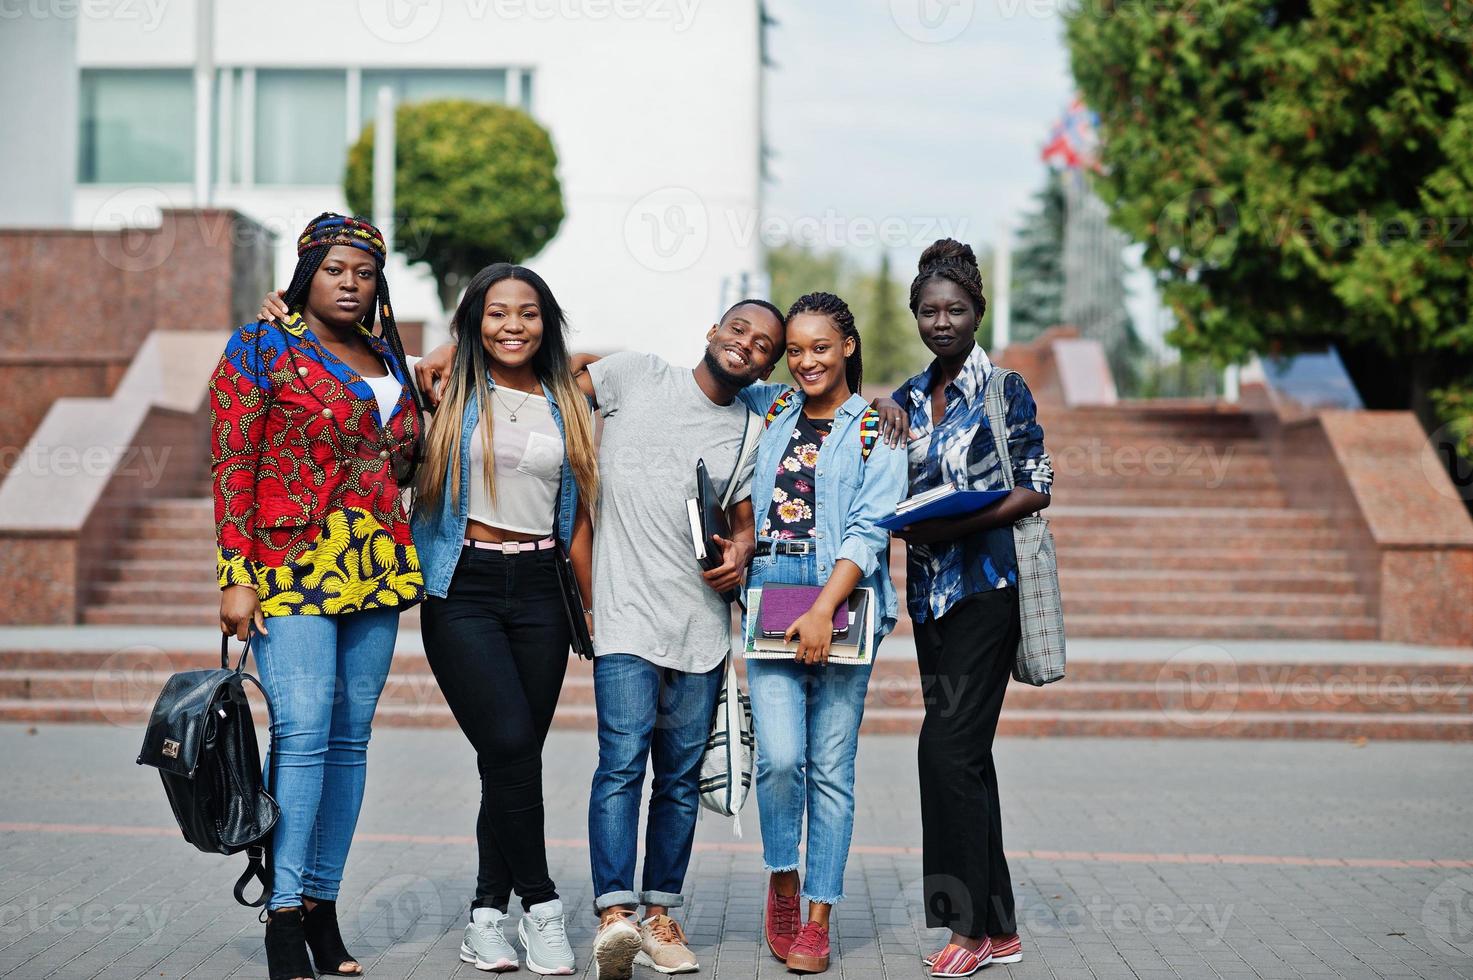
[(961, 585)]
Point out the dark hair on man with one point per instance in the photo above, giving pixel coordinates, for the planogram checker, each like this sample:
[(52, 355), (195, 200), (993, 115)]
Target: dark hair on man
[(317, 239), (776, 313), (838, 312), (947, 258)]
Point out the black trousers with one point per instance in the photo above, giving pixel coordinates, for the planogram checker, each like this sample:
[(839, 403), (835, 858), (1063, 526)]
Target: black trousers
[(498, 644), (965, 660)]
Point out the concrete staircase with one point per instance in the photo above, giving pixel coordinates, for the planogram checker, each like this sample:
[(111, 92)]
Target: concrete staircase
[(1194, 692), (1170, 524)]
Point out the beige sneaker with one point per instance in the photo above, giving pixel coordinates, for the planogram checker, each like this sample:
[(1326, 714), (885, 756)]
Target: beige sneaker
[(615, 945), (662, 946)]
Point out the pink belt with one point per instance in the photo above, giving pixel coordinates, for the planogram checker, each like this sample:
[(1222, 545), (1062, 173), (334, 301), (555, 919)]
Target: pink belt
[(513, 547)]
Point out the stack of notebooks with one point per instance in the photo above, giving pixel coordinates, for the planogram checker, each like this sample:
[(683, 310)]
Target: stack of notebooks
[(854, 626), (944, 501)]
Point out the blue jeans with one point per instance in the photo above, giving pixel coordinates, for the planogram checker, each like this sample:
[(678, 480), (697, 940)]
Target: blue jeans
[(645, 712), (324, 675), (806, 722)]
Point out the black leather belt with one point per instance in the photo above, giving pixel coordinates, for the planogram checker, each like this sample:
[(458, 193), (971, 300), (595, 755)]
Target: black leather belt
[(787, 548)]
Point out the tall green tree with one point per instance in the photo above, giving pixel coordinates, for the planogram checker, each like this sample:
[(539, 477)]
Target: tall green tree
[(1301, 172), (474, 183), (1038, 263)]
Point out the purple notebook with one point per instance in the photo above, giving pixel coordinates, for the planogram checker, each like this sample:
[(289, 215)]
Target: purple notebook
[(783, 605)]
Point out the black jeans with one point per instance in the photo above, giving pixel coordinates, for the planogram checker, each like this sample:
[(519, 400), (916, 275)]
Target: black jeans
[(965, 660), (498, 644)]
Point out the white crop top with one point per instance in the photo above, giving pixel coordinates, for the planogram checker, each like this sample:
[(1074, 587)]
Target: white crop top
[(386, 392), (529, 465)]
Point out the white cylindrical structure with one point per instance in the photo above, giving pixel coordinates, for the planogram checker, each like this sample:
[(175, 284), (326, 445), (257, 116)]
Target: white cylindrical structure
[(1002, 288), (383, 165), (204, 98)]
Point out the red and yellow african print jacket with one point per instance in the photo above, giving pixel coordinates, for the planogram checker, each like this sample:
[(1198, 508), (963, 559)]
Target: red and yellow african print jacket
[(307, 504)]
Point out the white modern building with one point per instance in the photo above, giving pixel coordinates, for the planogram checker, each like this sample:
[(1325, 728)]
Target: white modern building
[(654, 107)]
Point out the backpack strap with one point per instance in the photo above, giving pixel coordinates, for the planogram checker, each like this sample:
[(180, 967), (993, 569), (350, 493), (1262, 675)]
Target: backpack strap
[(779, 406), (869, 431)]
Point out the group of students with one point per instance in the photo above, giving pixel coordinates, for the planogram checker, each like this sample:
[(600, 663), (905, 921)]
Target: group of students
[(320, 422)]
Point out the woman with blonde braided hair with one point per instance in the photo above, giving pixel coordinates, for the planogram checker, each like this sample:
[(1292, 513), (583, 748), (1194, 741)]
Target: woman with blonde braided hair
[(315, 429)]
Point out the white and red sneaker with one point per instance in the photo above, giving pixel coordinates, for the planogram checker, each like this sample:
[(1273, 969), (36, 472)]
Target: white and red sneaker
[(956, 961), (1007, 949)]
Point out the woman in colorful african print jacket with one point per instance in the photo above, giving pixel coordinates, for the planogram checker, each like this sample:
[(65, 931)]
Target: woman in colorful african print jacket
[(315, 426)]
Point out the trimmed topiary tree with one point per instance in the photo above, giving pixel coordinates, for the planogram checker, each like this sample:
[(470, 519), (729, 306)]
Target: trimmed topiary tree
[(474, 183)]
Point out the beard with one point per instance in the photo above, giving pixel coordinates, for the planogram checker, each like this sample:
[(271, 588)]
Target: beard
[(724, 374)]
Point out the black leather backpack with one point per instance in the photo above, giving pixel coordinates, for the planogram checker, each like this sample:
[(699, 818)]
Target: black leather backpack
[(201, 740)]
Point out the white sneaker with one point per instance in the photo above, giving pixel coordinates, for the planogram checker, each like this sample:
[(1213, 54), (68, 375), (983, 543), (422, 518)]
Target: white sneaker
[(615, 945), (546, 940), (484, 945)]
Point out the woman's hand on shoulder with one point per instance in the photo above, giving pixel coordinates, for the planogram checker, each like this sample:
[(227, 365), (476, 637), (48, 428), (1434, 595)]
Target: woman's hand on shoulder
[(432, 371), (894, 422), (273, 308)]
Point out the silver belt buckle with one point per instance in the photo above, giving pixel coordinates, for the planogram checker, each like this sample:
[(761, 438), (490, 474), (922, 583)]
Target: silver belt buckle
[(511, 547)]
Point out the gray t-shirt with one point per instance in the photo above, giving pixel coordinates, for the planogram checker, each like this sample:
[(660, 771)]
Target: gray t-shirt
[(648, 595)]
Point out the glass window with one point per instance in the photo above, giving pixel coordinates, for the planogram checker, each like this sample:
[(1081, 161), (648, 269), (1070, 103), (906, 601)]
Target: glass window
[(427, 84), (137, 126), (301, 126)]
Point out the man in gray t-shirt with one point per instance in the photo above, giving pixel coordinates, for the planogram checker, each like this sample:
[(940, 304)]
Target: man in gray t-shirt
[(661, 630)]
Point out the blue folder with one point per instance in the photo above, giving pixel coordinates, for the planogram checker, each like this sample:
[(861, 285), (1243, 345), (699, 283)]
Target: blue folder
[(951, 505)]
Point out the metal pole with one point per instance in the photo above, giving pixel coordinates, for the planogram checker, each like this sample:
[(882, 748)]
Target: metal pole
[(1002, 288), (204, 101)]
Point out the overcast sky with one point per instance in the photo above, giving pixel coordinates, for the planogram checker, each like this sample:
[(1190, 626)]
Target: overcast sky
[(907, 120), (929, 113)]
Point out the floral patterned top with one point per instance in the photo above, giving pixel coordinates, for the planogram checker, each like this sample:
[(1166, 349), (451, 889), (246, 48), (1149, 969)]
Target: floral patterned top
[(790, 514)]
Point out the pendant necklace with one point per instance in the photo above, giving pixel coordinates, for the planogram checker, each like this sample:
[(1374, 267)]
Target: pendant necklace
[(512, 413)]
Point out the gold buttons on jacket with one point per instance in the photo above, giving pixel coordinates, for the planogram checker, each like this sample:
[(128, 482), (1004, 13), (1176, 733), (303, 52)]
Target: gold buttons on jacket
[(302, 372), (327, 413)]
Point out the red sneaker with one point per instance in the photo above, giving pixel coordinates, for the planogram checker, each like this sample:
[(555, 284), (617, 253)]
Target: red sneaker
[(781, 922), (1007, 949), (810, 951)]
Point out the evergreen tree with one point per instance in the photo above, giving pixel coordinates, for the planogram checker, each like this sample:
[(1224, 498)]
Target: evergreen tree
[(1038, 264)]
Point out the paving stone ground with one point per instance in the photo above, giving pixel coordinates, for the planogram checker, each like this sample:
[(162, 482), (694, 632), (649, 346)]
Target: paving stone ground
[(1134, 858)]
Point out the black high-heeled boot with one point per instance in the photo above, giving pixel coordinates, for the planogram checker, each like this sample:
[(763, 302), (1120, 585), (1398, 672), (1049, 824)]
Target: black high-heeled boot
[(286, 945), (326, 942)]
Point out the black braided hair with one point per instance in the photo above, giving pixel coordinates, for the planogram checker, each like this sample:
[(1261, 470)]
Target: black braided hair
[(838, 311), (310, 256), (947, 258)]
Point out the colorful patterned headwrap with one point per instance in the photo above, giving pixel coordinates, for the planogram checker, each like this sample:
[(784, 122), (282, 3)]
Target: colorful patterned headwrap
[(330, 229)]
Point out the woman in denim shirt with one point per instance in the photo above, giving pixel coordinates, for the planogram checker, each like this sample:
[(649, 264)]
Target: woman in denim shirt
[(509, 463), (823, 480)]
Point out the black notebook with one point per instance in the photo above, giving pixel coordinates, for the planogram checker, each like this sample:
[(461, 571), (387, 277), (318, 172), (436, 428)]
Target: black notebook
[(707, 518)]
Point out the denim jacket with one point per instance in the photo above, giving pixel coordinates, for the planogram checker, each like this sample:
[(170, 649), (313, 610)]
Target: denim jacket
[(851, 493), (439, 533)]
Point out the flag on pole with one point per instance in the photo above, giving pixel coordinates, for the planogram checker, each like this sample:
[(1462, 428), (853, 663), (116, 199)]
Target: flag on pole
[(1073, 143)]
